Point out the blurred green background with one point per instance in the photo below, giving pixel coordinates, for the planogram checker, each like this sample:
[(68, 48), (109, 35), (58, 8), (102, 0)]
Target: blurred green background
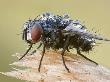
[(94, 13)]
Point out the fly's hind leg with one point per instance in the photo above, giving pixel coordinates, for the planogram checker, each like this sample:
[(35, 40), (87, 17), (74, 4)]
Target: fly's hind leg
[(78, 52)]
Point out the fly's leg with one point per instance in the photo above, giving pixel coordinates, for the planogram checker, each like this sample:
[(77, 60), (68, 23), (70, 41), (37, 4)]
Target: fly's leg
[(43, 52), (34, 51), (37, 48), (63, 51), (67, 49), (78, 51), (26, 51), (39, 45)]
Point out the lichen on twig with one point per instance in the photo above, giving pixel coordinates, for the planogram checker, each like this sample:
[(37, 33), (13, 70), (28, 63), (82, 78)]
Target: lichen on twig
[(52, 69)]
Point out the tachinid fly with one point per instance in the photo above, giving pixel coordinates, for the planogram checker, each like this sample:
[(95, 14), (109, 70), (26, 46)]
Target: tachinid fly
[(59, 32)]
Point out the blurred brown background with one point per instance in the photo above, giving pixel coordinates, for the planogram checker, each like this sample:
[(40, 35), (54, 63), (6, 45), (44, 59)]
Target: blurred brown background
[(94, 13)]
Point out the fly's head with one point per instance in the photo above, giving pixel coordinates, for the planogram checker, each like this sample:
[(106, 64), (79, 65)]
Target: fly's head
[(32, 32)]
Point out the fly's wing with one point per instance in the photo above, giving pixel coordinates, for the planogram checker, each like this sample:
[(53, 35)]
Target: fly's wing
[(83, 32)]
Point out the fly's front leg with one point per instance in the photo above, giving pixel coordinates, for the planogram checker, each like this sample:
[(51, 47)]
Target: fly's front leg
[(34, 51), (39, 45), (26, 51)]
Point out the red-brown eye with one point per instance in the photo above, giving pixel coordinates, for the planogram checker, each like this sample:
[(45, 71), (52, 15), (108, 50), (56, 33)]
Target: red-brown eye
[(36, 33)]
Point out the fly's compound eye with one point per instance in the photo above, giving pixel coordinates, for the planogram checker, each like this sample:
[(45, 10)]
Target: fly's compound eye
[(36, 33)]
